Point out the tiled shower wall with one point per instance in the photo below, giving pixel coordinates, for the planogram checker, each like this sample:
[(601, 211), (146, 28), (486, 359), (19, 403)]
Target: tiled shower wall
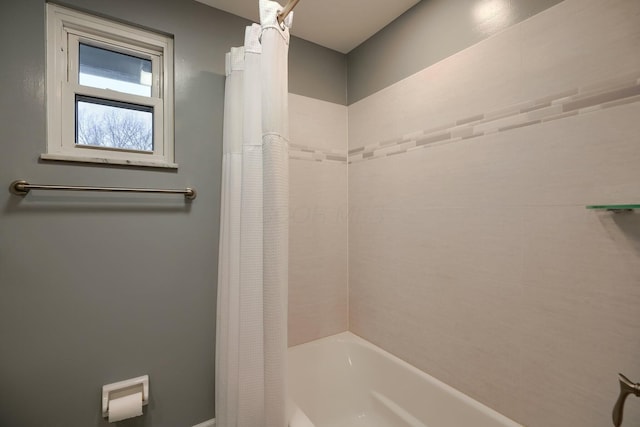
[(471, 253), (318, 240)]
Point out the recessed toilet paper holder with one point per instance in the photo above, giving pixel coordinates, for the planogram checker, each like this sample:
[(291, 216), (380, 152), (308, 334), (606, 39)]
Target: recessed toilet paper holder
[(125, 388)]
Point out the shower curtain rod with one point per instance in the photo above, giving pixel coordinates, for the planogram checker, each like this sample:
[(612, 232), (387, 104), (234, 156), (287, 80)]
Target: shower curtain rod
[(287, 9)]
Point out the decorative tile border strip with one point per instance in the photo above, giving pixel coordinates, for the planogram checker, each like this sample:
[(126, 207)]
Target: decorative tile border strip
[(604, 94), (304, 152)]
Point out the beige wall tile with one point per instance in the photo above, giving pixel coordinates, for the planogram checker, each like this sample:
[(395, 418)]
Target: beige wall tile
[(318, 300), (579, 42), (476, 260), (479, 79), (581, 314), (437, 283), (317, 123)]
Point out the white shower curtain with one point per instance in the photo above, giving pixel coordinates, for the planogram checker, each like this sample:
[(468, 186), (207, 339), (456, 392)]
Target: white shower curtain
[(251, 338)]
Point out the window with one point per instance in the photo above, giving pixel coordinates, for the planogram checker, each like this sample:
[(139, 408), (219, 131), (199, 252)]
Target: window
[(109, 91)]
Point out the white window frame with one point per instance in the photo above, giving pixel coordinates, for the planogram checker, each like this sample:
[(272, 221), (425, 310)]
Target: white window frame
[(66, 29)]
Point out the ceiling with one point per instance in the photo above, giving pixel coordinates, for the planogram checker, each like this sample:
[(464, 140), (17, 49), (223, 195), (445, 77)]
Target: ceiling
[(337, 24)]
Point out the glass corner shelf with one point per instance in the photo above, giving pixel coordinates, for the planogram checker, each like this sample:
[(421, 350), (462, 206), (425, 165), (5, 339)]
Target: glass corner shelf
[(615, 208)]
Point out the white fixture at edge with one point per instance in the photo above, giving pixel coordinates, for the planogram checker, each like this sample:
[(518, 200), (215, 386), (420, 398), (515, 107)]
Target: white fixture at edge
[(124, 388)]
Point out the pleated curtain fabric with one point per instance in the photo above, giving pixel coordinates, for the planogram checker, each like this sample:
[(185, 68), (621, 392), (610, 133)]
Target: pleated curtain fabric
[(251, 331), (228, 321), (275, 146)]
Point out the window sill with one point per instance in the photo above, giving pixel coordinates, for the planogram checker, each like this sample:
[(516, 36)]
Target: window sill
[(106, 161)]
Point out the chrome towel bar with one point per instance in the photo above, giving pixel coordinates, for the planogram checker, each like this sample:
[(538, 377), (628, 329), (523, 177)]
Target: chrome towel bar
[(22, 188)]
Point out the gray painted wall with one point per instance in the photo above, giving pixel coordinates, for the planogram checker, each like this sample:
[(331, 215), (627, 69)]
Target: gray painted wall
[(96, 289), (427, 33), (317, 72)]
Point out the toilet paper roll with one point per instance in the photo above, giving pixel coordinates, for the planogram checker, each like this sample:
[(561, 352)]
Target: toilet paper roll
[(125, 407)]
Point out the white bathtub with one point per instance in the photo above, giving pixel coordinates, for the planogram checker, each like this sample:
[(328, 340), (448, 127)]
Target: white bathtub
[(345, 381)]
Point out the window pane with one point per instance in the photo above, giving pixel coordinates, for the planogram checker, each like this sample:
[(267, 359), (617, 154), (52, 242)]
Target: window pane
[(105, 69), (112, 124)]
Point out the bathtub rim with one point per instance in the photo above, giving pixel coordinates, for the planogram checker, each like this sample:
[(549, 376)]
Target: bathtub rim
[(350, 337)]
